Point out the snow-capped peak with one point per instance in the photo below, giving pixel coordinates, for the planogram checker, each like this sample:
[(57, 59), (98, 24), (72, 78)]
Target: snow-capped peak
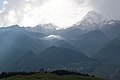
[(43, 28), (46, 27), (92, 20), (50, 26), (92, 17)]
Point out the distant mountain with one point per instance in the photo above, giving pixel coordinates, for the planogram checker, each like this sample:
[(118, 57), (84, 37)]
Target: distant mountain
[(17, 28), (115, 75), (63, 43), (26, 62), (43, 28), (20, 35), (12, 28), (37, 35), (93, 35), (110, 52), (15, 43), (70, 33), (58, 41), (67, 44), (90, 42), (29, 48), (93, 20), (58, 55), (111, 28)]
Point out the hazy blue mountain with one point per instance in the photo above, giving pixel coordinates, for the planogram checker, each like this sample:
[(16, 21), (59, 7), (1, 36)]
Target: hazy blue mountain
[(58, 55), (17, 28), (58, 41), (90, 42), (15, 43), (26, 62), (110, 52), (34, 34), (111, 28), (12, 28), (93, 36), (115, 75), (63, 43), (66, 44), (21, 39), (70, 33)]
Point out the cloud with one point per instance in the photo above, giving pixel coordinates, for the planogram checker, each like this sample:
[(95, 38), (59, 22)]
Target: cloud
[(60, 12), (79, 1), (109, 8), (33, 12), (13, 11)]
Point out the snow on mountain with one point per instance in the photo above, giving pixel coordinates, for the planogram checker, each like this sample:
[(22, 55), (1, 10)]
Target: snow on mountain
[(93, 17), (51, 37), (112, 22), (91, 21), (50, 26), (44, 28)]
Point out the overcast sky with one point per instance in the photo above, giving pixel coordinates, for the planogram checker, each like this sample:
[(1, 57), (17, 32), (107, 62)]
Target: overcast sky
[(109, 8), (60, 12)]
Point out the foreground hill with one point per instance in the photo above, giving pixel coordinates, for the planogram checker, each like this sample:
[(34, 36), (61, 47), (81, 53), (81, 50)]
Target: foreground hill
[(48, 76)]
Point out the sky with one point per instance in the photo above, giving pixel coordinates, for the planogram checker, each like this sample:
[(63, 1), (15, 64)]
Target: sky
[(62, 13)]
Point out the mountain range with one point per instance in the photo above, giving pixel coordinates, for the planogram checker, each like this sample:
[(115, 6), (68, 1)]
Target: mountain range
[(90, 41)]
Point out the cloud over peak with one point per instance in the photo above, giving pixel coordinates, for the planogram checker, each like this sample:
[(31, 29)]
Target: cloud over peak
[(60, 12)]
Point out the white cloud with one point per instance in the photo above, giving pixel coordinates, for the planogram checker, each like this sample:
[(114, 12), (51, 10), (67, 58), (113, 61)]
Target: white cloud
[(32, 12), (109, 8)]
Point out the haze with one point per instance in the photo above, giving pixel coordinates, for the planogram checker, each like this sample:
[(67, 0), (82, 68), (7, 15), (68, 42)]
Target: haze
[(62, 13)]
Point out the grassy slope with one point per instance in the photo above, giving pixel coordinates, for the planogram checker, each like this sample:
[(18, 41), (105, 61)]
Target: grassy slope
[(49, 77)]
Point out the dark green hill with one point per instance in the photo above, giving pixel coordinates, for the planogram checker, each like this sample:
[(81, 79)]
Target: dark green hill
[(50, 77)]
